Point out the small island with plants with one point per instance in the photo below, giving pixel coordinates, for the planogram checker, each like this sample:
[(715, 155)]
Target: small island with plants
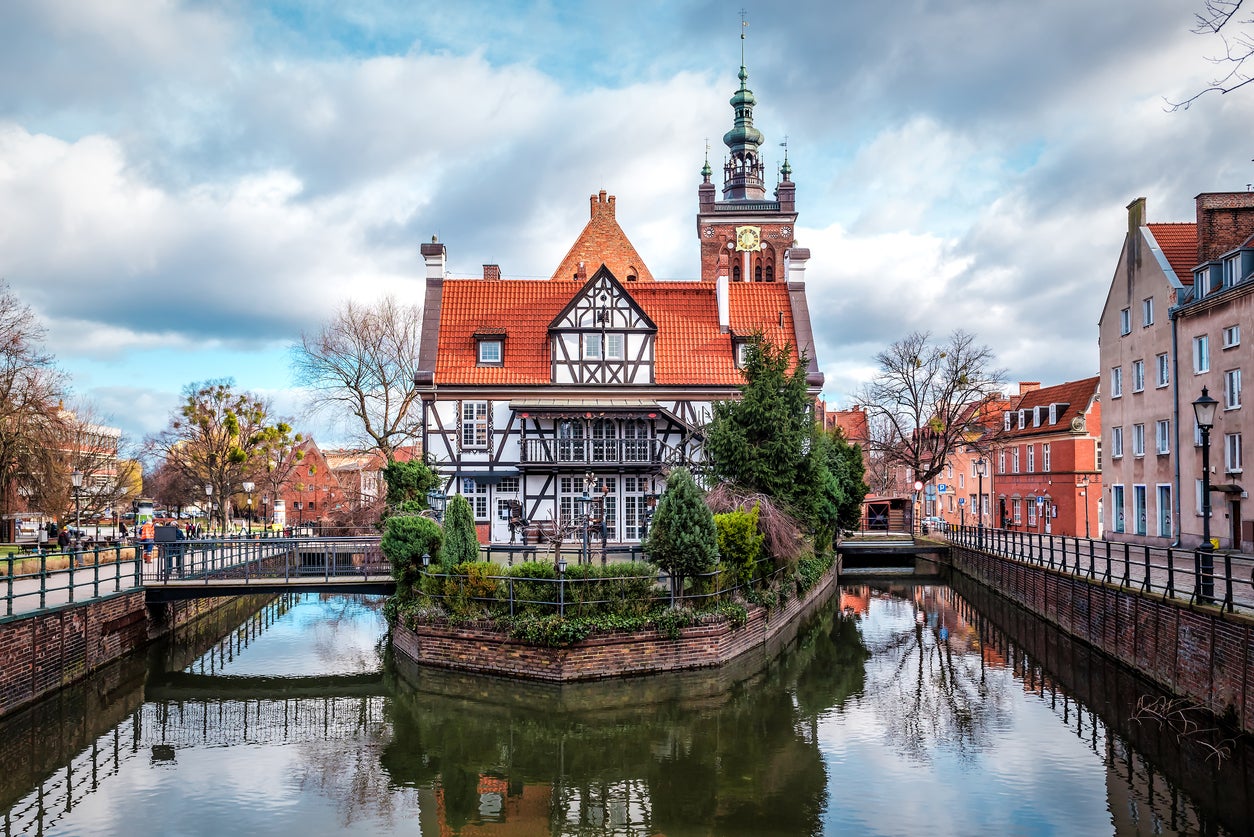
[(726, 568)]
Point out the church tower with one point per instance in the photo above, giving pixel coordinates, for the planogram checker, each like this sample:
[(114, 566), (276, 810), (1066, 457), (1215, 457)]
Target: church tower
[(746, 236)]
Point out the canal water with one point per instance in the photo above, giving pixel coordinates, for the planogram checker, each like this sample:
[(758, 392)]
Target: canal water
[(896, 710)]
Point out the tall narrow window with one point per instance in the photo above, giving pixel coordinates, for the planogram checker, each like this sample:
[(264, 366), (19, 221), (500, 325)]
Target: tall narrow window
[(1116, 442), (1031, 459), (1162, 436), (1164, 370), (1232, 389), (1232, 453), (1147, 311), (1138, 440), (1201, 353), (1045, 457), (1164, 511), (1116, 502), (1125, 321), (474, 424), (1138, 509), (1138, 375), (1116, 382)]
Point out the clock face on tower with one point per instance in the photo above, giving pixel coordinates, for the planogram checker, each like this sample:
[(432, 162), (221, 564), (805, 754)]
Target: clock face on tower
[(748, 238)]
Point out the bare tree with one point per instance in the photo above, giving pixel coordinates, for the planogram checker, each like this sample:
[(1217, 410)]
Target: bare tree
[(921, 402), (31, 390), (1221, 19), (363, 362)]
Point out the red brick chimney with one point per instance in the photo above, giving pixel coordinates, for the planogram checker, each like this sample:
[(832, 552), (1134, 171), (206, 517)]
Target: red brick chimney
[(1225, 221), (491, 271)]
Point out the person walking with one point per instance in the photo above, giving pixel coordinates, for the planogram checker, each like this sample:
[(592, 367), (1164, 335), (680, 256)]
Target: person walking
[(147, 534)]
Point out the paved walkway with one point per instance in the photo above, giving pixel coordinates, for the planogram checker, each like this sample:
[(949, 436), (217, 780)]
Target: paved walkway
[(57, 587)]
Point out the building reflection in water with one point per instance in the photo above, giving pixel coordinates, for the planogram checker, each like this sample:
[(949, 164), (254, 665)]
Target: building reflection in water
[(746, 749)]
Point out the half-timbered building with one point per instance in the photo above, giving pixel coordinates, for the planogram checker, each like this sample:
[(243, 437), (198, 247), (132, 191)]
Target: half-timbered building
[(601, 377)]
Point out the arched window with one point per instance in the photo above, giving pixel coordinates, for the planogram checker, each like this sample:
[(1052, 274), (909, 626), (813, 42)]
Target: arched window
[(735, 273), (770, 272), (757, 270)]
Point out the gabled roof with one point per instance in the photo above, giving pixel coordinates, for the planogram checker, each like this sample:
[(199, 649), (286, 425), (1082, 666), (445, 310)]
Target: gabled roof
[(603, 242), (1077, 395), (1179, 244), (689, 350)]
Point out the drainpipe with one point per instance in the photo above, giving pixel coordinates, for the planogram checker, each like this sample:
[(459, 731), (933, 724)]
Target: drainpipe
[(1175, 418)]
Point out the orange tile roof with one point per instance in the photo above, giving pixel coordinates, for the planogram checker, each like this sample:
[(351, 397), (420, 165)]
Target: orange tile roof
[(689, 349), (1179, 245)]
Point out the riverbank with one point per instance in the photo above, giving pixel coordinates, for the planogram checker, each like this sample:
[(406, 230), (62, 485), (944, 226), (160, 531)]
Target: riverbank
[(487, 650)]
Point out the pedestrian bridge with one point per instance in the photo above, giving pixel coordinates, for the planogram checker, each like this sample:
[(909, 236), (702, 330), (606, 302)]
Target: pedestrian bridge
[(199, 569)]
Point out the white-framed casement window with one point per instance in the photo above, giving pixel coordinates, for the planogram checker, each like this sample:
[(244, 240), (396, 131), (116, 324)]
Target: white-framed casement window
[(1164, 510), (1138, 375), (1045, 458), (1006, 419), (1232, 336), (475, 424), (1138, 440), (1116, 382), (1232, 453), (477, 494), (1001, 462), (613, 347), (1198, 497), (740, 348), (592, 346), (1147, 312), (1014, 460), (1125, 321), (491, 351), (1201, 354), (1232, 389), (1031, 459), (1138, 509), (1016, 507), (1162, 436), (1116, 443), (1116, 507), (1164, 370)]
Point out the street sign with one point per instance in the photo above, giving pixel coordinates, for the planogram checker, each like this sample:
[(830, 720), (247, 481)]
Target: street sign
[(942, 488), (962, 501), (918, 486)]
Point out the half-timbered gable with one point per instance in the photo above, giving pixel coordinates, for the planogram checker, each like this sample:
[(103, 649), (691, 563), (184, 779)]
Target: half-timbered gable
[(602, 337), (600, 378)]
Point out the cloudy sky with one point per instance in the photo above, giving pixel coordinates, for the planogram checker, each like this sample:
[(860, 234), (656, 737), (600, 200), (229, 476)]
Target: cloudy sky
[(186, 186)]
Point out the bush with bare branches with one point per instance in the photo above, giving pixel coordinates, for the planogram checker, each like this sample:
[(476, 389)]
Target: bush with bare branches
[(782, 531)]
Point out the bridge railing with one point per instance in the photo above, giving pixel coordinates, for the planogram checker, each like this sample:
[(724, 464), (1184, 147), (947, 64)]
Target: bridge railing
[(265, 559), (40, 580), (1192, 575)]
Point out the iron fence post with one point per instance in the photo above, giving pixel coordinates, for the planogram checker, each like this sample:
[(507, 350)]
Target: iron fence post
[(73, 559), (1228, 580), (8, 596), (43, 580)]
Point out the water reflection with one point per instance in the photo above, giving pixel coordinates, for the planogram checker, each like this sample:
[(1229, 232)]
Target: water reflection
[(898, 709)]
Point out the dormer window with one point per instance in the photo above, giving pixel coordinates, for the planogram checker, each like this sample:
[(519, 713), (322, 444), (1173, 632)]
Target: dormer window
[(740, 351), (1053, 413), (1023, 418), (490, 349), (1007, 420)]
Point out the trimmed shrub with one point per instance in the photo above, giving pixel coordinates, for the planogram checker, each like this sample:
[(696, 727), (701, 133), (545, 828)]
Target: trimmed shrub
[(739, 543), (406, 538), (461, 541)]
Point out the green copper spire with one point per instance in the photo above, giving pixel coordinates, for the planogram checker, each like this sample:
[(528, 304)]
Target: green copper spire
[(743, 172)]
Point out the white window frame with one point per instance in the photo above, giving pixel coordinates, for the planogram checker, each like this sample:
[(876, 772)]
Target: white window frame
[(491, 351), (1005, 420), (1147, 312), (474, 424), (1031, 459), (592, 345), (1138, 376), (1201, 354), (1162, 436), (1138, 440), (1116, 382), (1232, 453), (1116, 443), (1164, 370), (1001, 461), (1014, 459), (1232, 336), (1163, 500), (615, 344), (1045, 457), (1016, 509), (476, 493), (1125, 321), (1232, 389), (1197, 496)]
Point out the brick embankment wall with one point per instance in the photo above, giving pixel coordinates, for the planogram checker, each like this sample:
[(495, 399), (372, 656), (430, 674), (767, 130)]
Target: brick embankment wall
[(612, 655), (1199, 653), (43, 652)]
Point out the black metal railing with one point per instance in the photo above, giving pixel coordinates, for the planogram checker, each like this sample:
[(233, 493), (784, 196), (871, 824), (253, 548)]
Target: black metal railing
[(554, 451), (44, 579), (1171, 572), (265, 559)]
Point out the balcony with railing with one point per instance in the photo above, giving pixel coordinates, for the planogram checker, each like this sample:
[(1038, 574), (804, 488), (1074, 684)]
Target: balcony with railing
[(557, 451)]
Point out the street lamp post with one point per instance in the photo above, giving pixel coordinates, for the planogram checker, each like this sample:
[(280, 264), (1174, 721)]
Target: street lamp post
[(980, 466), (208, 506), (77, 479), (1084, 492), (437, 501), (248, 487), (1204, 411)]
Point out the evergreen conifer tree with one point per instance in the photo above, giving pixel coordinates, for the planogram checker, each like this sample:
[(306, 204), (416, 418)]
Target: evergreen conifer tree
[(461, 541), (682, 539)]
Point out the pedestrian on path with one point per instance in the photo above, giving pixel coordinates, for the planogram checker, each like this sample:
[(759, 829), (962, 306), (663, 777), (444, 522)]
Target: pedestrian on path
[(147, 534)]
